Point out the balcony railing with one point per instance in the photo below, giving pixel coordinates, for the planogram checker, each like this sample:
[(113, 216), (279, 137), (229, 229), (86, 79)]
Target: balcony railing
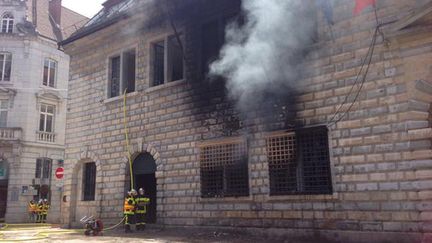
[(48, 137), (10, 133)]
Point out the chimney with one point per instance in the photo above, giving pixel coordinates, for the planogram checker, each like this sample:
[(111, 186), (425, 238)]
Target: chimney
[(109, 3), (55, 7)]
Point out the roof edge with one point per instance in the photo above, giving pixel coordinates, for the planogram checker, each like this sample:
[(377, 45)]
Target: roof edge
[(85, 32)]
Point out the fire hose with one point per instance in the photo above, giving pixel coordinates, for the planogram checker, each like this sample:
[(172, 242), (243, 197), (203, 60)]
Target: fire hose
[(44, 234)]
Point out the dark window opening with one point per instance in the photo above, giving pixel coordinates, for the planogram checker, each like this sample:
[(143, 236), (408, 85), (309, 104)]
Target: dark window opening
[(175, 59), (211, 44), (168, 60), (115, 77), (224, 170), (89, 181), (129, 72), (43, 168), (159, 63), (5, 66), (122, 74), (299, 162), (213, 38)]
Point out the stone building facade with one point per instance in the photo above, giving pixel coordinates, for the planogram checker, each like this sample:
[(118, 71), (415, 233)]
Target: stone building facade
[(33, 94), (366, 177)]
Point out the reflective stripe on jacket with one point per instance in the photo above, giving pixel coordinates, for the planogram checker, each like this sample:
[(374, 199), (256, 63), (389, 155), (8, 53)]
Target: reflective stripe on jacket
[(142, 203), (129, 205)]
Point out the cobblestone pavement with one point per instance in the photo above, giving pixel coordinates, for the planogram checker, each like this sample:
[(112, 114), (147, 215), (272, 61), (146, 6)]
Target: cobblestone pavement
[(55, 234)]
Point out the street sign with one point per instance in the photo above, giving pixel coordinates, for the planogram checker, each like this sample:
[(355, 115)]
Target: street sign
[(59, 173)]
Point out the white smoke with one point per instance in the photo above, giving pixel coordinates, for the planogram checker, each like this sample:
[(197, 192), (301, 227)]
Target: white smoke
[(264, 54)]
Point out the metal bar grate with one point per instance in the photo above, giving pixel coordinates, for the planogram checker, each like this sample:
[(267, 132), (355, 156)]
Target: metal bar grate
[(314, 148), (224, 170), (299, 162)]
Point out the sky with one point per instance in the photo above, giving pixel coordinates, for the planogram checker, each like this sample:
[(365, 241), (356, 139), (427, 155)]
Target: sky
[(87, 8)]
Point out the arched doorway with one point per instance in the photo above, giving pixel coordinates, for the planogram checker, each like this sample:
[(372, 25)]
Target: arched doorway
[(144, 170)]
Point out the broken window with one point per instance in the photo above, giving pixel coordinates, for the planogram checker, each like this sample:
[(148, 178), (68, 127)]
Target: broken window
[(7, 23), (49, 74), (224, 170), (299, 162), (5, 66), (211, 44), (89, 181), (213, 38), (122, 74), (168, 61)]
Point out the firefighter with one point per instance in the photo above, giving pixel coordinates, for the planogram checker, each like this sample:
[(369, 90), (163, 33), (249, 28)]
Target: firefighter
[(32, 211), (141, 209), (129, 210), (39, 209), (45, 209)]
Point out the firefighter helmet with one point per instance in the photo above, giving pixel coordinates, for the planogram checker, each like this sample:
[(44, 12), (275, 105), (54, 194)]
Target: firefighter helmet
[(141, 191), (133, 192)]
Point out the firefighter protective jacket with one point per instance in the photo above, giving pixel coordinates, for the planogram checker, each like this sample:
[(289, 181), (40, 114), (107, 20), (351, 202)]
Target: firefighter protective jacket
[(129, 205), (32, 207), (142, 203)]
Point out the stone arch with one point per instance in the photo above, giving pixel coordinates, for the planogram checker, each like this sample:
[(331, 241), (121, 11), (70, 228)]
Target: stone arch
[(153, 181), (78, 207), (138, 148)]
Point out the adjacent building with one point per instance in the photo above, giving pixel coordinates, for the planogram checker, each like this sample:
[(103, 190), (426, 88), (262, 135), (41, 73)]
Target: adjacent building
[(345, 157), (33, 96)]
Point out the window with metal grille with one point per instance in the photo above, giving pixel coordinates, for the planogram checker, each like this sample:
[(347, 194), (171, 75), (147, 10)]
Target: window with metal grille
[(5, 66), (299, 162), (50, 73), (43, 168), (122, 74), (224, 170), (89, 181), (7, 23), (168, 61)]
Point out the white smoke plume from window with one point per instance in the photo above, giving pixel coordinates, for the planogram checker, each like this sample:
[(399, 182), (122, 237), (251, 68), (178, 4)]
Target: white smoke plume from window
[(263, 55)]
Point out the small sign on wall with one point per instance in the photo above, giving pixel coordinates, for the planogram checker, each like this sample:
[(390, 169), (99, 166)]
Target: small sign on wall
[(29, 191)]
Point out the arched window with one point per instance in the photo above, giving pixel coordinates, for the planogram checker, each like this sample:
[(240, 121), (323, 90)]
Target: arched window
[(7, 23)]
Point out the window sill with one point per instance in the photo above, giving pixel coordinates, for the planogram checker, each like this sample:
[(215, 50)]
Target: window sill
[(226, 199), (48, 87), (166, 85), (120, 97), (6, 83), (284, 198)]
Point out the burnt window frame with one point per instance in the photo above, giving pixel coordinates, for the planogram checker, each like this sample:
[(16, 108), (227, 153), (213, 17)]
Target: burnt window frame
[(124, 80), (221, 169), (285, 184), (222, 21), (89, 175), (167, 58)]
